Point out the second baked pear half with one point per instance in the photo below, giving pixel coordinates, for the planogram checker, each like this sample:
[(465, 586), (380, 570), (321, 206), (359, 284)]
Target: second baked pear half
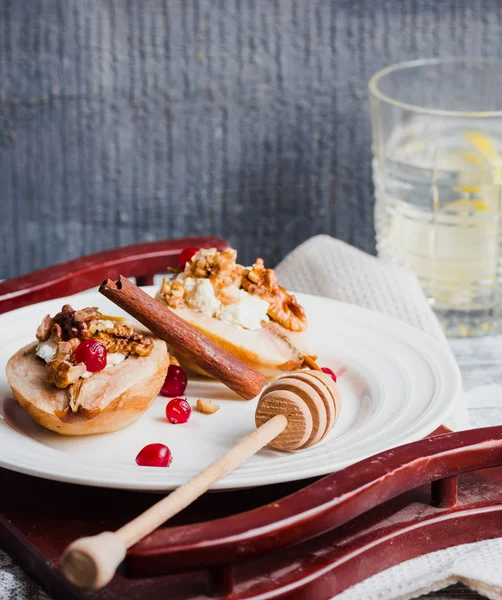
[(241, 308)]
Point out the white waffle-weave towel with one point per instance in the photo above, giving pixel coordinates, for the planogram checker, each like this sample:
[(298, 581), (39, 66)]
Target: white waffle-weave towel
[(324, 266)]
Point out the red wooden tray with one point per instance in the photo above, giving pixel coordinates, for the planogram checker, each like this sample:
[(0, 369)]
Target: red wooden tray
[(307, 540)]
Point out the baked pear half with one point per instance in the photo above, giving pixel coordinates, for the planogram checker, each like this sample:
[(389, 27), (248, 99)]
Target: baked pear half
[(272, 349), (243, 309), (53, 382)]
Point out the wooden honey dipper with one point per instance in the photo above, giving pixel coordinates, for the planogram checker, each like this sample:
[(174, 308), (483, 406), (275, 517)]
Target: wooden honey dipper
[(294, 412)]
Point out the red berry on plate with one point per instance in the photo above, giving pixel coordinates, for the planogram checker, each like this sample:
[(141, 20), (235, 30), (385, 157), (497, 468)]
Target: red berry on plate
[(92, 354), (186, 255), (154, 455), (329, 372), (175, 383), (178, 411)]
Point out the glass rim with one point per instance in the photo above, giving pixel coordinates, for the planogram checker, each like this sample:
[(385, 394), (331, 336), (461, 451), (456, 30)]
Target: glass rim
[(377, 93)]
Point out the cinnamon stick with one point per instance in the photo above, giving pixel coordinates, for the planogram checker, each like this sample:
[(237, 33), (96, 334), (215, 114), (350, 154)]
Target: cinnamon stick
[(185, 339)]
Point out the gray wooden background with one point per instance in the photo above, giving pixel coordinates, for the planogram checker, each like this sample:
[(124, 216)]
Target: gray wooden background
[(124, 121)]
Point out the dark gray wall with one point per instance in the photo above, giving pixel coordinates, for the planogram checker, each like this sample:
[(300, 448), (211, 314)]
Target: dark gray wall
[(129, 121)]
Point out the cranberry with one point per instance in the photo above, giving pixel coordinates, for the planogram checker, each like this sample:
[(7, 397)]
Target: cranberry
[(154, 455), (186, 255), (92, 354), (175, 383), (178, 411), (329, 372)]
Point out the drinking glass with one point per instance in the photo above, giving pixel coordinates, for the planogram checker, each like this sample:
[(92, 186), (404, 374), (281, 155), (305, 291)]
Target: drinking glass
[(437, 172)]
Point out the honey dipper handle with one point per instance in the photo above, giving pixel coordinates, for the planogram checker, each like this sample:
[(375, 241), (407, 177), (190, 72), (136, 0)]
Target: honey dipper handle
[(91, 562), (185, 339), (187, 493)]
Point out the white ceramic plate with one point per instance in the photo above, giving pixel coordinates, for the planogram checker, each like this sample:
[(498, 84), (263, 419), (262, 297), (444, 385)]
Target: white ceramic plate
[(397, 387)]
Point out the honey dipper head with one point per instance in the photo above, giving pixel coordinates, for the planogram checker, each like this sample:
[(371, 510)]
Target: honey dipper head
[(311, 402)]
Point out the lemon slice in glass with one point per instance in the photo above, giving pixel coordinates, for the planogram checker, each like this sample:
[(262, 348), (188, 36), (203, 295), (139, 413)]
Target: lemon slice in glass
[(466, 205)]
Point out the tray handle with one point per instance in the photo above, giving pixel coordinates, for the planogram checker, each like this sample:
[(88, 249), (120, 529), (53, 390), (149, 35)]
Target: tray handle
[(141, 261), (321, 506)]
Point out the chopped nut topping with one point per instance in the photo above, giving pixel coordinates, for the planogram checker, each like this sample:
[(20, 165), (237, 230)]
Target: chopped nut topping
[(172, 291), (201, 263), (227, 277), (220, 267), (208, 260), (62, 373), (66, 349), (207, 407), (68, 329), (260, 275), (284, 308), (57, 332), (44, 329), (87, 314), (123, 338), (68, 324)]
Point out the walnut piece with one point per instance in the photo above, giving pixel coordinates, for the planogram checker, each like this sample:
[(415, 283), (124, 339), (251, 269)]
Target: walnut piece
[(44, 329), (66, 349), (69, 326), (62, 373), (207, 407), (171, 292), (284, 308), (201, 263), (87, 314), (220, 267), (123, 338)]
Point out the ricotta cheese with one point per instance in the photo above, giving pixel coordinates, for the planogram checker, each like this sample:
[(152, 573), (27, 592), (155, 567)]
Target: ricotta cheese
[(249, 312), (47, 350), (200, 296)]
